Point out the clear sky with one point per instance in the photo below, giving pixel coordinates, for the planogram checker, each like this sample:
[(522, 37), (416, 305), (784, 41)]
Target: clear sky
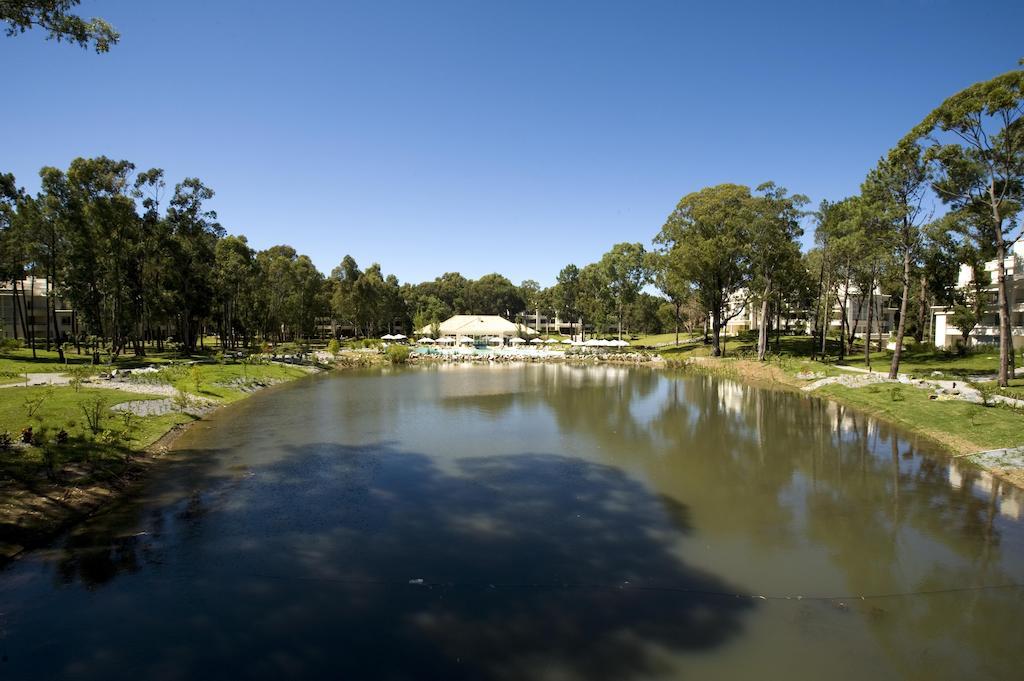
[(485, 135)]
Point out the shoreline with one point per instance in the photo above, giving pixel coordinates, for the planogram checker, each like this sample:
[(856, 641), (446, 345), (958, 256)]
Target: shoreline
[(47, 511), (765, 375)]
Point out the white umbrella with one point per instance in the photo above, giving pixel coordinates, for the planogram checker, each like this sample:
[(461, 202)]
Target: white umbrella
[(387, 336), (551, 341), (536, 341), (516, 340), (465, 340), (497, 340), (399, 336), (620, 343), (568, 341), (447, 340), (593, 343), (427, 339)]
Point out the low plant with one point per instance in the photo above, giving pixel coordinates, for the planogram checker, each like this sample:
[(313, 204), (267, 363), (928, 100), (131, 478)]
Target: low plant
[(77, 375), (195, 377), (6, 441), (333, 346), (62, 437), (27, 435), (34, 402), (397, 354), (93, 412), (987, 392), (896, 393)]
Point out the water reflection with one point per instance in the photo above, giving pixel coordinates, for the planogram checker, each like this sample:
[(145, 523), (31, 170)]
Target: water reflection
[(290, 537)]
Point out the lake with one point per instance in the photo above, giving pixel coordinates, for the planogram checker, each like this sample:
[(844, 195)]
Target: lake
[(541, 522)]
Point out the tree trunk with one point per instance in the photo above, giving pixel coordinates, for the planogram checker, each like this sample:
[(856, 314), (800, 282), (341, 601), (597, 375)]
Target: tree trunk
[(679, 305), (716, 331), (894, 368), (1005, 340), (762, 331), (871, 310), (922, 308)]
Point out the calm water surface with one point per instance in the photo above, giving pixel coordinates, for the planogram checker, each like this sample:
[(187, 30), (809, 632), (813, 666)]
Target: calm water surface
[(533, 522)]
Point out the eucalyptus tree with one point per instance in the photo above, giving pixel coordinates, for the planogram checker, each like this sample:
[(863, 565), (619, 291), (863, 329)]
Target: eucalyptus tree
[(625, 269), (773, 234), (234, 276), (594, 303), (493, 294), (566, 294), (974, 141), (707, 238), (672, 282), (55, 17), (194, 231), (898, 185)]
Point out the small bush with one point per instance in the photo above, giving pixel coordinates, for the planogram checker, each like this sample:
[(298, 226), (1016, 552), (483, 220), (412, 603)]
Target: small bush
[(93, 412), (32, 404), (333, 346), (987, 391), (896, 394), (195, 376), (397, 354), (62, 437), (6, 441)]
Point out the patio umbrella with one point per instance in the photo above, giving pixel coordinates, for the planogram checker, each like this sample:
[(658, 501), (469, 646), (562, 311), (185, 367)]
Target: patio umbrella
[(551, 341), (465, 340), (568, 341), (398, 336), (387, 336), (497, 340), (516, 340), (447, 340), (536, 341), (427, 339), (593, 343), (620, 343)]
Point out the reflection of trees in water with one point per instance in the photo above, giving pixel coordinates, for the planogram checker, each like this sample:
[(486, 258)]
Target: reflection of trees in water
[(776, 468), (533, 566)]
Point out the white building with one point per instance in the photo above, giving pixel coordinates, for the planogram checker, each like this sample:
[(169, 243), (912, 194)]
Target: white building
[(478, 326), (987, 330), (25, 314)]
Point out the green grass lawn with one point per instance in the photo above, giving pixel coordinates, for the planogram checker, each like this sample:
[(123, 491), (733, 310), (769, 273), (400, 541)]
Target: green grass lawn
[(62, 407), (962, 425), (220, 382), (659, 338), (20, 361), (1015, 389), (920, 363)]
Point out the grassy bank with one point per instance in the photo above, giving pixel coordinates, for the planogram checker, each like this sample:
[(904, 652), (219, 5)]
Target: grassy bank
[(64, 452)]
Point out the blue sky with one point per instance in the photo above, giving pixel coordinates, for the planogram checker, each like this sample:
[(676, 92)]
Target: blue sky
[(480, 136)]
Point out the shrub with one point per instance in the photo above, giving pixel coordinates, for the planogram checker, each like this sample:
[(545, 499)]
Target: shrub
[(896, 393), (78, 374), (397, 354), (93, 412), (195, 376), (333, 346), (6, 441), (62, 437), (987, 391), (32, 404)]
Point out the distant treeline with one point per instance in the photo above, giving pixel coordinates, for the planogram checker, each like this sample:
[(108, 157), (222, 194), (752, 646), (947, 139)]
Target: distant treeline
[(139, 267)]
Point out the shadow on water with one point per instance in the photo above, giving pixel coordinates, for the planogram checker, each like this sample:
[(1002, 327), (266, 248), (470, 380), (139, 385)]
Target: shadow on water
[(370, 562)]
